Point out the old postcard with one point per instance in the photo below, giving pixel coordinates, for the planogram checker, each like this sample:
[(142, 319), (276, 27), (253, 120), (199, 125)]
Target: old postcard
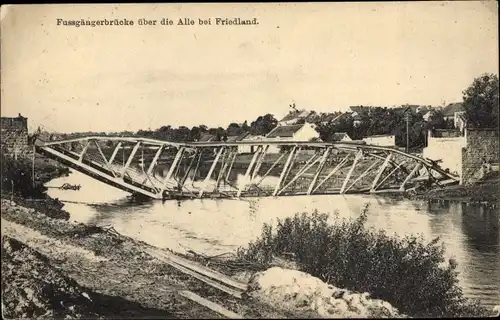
[(250, 160)]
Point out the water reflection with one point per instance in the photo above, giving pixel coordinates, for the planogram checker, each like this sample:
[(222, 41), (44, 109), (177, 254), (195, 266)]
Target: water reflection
[(470, 233)]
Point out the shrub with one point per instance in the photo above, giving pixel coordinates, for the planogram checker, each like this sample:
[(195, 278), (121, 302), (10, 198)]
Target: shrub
[(17, 174), (406, 272)]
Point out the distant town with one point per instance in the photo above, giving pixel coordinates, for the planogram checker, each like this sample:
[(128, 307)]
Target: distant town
[(375, 125)]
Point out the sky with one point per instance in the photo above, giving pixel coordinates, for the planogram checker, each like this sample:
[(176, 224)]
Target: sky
[(322, 56)]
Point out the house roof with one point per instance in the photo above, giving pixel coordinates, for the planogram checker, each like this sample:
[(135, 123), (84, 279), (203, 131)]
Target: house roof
[(238, 137), (337, 136), (290, 116), (312, 117), (450, 109), (302, 114), (284, 131), (206, 137)]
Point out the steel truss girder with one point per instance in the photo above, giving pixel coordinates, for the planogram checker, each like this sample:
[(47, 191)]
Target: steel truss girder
[(228, 158)]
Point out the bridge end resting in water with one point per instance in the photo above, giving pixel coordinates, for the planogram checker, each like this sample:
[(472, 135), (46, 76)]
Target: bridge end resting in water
[(205, 169)]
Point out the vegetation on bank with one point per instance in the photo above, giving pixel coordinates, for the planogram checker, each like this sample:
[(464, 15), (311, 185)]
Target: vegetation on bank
[(407, 272), (17, 183), (485, 191)]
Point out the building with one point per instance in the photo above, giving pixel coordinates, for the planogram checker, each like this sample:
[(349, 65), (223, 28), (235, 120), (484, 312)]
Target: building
[(381, 140), (428, 115), (446, 147), (14, 136), (423, 109), (341, 137), (296, 132), (455, 112), (249, 148), (357, 121)]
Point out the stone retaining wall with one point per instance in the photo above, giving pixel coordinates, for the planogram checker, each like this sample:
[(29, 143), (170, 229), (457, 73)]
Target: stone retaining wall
[(481, 151)]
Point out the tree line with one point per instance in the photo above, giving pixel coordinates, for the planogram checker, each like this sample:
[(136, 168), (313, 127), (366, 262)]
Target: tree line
[(480, 105)]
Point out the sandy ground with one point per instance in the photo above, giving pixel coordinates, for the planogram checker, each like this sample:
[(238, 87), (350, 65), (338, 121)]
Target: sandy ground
[(116, 266)]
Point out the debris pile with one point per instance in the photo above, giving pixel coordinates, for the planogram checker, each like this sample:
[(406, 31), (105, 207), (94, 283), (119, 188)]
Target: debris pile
[(32, 288), (297, 291)]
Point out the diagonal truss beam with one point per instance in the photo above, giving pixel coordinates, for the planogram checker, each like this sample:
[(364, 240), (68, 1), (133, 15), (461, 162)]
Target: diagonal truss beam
[(209, 175), (335, 170), (155, 160), (191, 163), (390, 173), (248, 172), (106, 163), (417, 167), (271, 168), (130, 158), (322, 163), (172, 168), (290, 167), (285, 169), (235, 154), (226, 157), (364, 174), (84, 151), (380, 171), (358, 156), (115, 152), (308, 165), (259, 162)]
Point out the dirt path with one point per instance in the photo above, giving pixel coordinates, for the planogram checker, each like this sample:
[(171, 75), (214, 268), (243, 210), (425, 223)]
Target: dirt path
[(50, 247)]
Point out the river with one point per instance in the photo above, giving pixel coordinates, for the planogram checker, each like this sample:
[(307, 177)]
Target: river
[(470, 232)]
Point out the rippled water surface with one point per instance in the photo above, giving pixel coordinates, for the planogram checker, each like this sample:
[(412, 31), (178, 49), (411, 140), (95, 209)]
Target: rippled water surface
[(470, 233)]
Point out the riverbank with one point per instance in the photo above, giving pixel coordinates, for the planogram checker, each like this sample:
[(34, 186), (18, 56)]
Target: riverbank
[(18, 184), (95, 272), (482, 192), (105, 265)]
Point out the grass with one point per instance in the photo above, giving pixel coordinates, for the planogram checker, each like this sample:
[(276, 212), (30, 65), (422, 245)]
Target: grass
[(407, 272)]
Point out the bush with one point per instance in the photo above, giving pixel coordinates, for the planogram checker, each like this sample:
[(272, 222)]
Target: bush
[(17, 174), (405, 272)]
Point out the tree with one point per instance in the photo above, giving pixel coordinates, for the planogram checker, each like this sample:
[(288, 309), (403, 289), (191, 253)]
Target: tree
[(481, 102), (197, 132), (234, 129), (436, 120), (245, 126), (263, 124), (182, 134)]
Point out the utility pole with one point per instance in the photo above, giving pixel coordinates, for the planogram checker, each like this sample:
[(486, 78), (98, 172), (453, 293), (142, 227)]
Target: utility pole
[(407, 116), (33, 167)]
